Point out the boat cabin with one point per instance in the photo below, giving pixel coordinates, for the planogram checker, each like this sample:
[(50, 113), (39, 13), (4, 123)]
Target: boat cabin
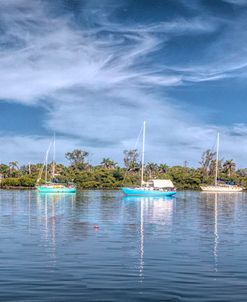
[(159, 184)]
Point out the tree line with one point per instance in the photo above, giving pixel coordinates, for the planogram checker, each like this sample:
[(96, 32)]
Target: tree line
[(109, 175)]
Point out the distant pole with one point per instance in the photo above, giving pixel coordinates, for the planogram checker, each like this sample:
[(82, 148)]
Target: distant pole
[(46, 163), (143, 151), (217, 159), (54, 154), (29, 168)]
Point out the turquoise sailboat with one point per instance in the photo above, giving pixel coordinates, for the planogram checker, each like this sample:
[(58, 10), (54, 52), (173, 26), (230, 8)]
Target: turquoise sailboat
[(52, 186), (154, 187)]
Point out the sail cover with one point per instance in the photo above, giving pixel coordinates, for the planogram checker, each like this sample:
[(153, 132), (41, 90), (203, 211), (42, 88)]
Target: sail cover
[(162, 183)]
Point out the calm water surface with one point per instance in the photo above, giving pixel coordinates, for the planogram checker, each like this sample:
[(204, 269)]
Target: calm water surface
[(99, 246)]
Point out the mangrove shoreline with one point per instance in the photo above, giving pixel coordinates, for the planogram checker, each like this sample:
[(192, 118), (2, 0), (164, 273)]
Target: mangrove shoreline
[(108, 175)]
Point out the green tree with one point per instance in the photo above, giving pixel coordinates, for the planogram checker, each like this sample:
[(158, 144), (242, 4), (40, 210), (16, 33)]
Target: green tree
[(151, 169), (4, 170), (212, 167), (107, 163), (229, 167), (13, 168), (26, 181), (131, 160), (206, 162), (242, 172), (163, 168), (77, 159), (10, 182)]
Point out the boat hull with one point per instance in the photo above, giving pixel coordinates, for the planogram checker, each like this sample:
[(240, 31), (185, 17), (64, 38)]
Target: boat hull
[(227, 189), (153, 193), (42, 189)]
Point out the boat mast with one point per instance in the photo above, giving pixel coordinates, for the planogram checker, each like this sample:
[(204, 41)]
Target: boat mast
[(54, 154), (217, 159), (46, 162), (143, 151)]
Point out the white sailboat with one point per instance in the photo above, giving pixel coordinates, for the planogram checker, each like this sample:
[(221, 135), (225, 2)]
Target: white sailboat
[(154, 187), (224, 188)]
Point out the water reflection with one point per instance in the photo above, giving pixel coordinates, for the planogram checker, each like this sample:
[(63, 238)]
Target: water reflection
[(216, 237), (141, 268), (154, 211), (157, 210), (143, 249), (55, 197), (147, 199), (224, 207), (52, 207)]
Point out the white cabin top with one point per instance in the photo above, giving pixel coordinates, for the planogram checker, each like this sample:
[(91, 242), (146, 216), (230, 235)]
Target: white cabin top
[(160, 183)]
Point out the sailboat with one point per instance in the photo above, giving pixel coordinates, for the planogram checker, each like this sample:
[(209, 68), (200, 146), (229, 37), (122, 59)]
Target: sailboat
[(154, 187), (52, 186), (224, 188)]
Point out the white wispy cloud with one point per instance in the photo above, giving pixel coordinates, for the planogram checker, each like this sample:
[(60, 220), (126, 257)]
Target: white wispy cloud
[(236, 2), (42, 54), (99, 82)]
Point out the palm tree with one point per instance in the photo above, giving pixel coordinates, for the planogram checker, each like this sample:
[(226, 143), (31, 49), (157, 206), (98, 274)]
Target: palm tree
[(163, 168), (229, 167), (13, 166), (107, 163)]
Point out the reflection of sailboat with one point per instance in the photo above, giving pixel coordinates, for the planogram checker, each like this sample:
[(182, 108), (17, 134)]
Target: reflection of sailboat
[(155, 187), (52, 186), (141, 266), (56, 197), (158, 210), (147, 199), (224, 188), (212, 198), (153, 210), (216, 237), (50, 209)]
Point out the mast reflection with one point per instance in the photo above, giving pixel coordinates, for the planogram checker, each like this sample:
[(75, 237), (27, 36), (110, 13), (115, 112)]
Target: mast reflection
[(51, 206), (153, 210), (216, 237), (223, 204)]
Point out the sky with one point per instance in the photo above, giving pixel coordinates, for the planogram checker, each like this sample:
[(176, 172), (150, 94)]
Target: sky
[(92, 71)]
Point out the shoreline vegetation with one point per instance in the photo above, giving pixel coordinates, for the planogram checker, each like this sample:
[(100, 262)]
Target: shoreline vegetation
[(109, 175)]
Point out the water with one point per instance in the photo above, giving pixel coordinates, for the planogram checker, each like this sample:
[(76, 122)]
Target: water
[(99, 246)]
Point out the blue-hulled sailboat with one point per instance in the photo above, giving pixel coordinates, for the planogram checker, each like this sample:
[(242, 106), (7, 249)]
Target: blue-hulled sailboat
[(52, 186), (152, 188)]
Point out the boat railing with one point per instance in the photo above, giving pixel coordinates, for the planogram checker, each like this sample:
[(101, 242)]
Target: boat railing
[(147, 188)]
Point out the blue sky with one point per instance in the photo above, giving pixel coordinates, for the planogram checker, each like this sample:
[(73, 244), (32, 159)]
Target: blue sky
[(92, 71)]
